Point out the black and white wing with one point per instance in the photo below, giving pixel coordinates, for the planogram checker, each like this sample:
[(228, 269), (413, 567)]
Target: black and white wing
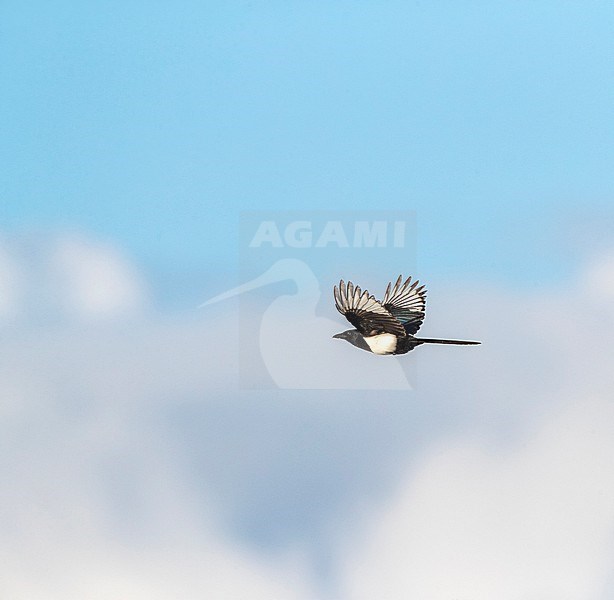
[(407, 302), (364, 312)]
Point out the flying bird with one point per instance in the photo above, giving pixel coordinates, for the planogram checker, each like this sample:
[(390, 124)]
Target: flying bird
[(385, 327)]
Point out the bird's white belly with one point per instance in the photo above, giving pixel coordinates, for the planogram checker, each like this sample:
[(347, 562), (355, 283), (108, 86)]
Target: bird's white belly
[(384, 343)]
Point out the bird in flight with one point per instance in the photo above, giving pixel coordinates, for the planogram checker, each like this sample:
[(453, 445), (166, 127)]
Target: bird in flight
[(385, 327)]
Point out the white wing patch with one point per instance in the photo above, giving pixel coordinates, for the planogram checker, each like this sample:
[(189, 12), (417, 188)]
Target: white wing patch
[(408, 295), (350, 298), (384, 343)]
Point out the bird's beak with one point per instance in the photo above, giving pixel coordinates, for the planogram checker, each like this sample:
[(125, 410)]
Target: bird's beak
[(261, 281), (339, 336)]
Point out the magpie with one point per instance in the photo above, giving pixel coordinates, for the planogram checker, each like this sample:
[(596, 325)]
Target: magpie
[(385, 327)]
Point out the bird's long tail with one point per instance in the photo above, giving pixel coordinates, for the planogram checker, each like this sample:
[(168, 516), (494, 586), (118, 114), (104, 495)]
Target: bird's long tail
[(456, 342)]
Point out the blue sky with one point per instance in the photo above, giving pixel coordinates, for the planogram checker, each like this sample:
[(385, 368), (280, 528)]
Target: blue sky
[(154, 125)]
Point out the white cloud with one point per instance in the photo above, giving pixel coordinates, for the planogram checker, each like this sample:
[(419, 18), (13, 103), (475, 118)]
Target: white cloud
[(100, 502), (94, 503), (67, 536), (66, 277), (533, 521), (94, 279), (70, 559), (599, 277), (9, 284)]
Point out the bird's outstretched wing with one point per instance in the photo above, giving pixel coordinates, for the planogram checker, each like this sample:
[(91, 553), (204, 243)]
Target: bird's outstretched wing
[(407, 302), (366, 313)]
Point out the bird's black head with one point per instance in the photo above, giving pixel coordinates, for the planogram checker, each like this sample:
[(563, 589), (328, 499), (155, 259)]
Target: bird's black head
[(345, 335), (354, 337)]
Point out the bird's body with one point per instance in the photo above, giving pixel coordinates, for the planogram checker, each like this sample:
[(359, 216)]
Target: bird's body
[(385, 327)]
